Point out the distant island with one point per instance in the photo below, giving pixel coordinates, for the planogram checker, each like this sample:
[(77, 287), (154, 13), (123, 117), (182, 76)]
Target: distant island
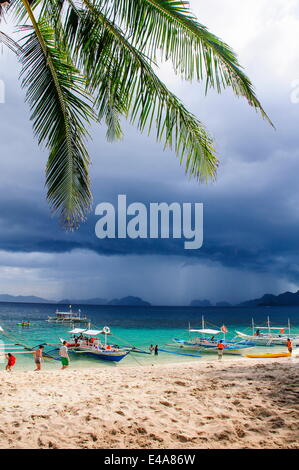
[(268, 300), (129, 301), (31, 299)]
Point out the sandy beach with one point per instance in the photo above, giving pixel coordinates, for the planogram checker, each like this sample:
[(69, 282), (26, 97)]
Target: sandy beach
[(232, 404)]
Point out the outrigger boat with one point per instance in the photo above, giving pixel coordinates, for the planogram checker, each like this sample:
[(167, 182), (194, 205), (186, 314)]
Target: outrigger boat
[(86, 341), (269, 335), (68, 317), (207, 343)]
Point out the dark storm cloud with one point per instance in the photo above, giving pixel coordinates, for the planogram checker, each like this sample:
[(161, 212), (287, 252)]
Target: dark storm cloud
[(251, 220)]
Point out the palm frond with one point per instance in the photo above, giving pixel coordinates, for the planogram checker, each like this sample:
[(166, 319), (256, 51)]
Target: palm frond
[(113, 64), (170, 28), (57, 97)]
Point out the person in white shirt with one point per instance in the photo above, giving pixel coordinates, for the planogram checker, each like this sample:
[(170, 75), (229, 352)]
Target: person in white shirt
[(63, 353)]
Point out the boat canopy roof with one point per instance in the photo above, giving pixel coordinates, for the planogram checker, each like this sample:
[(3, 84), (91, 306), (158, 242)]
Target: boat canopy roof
[(92, 332), (75, 331), (206, 331), (269, 328), (87, 332), (66, 313)]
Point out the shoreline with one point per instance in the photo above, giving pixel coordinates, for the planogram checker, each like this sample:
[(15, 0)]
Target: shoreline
[(207, 404)]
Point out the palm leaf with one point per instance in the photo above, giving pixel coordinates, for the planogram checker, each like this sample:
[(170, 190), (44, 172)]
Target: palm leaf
[(168, 27), (120, 74), (57, 97), (9, 42)]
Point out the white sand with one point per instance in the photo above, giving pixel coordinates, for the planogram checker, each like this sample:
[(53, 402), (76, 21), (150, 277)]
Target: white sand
[(231, 404)]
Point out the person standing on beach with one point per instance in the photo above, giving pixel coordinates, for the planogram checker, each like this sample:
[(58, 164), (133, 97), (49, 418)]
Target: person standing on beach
[(290, 346), (156, 350), (38, 356), (11, 360), (151, 348), (63, 353), (220, 347)]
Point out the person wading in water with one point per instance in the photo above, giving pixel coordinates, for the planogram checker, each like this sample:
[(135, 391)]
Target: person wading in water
[(290, 346), (38, 355), (220, 347)]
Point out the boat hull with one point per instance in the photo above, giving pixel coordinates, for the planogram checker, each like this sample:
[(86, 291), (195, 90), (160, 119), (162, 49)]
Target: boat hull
[(106, 356), (206, 347), (68, 321), (267, 340)]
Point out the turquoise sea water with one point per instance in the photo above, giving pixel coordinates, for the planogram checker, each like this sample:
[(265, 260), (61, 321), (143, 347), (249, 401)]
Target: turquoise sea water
[(138, 326)]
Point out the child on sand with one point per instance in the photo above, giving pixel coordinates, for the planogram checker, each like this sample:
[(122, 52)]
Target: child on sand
[(290, 346), (11, 360)]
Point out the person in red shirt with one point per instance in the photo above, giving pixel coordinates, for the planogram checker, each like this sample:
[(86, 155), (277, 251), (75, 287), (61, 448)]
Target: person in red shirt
[(11, 360), (290, 346), (220, 347)]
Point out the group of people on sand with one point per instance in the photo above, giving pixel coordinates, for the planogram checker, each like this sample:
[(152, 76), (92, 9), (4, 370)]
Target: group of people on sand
[(38, 358)]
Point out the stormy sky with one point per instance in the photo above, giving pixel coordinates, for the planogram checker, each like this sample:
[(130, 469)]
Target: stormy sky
[(251, 213)]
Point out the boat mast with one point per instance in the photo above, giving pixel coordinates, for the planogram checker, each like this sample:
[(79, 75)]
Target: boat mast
[(289, 326), (202, 322), (268, 321), (252, 322)]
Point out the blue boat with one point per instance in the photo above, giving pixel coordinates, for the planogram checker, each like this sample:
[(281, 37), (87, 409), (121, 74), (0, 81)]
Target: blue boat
[(86, 341)]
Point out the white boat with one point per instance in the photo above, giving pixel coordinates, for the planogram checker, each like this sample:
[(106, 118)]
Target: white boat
[(86, 341), (269, 335), (207, 341), (68, 317)]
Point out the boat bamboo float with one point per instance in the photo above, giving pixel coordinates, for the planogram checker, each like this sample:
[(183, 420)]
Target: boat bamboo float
[(270, 355)]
